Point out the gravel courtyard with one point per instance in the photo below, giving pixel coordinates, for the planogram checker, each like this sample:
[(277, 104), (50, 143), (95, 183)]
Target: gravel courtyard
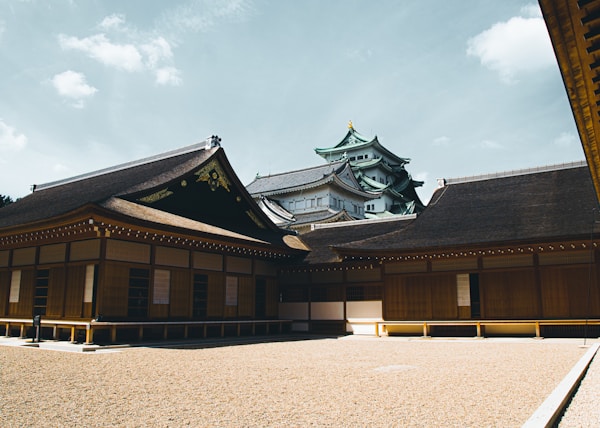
[(350, 381)]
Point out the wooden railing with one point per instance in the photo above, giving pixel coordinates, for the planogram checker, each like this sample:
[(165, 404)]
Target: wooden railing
[(478, 324), (92, 326)]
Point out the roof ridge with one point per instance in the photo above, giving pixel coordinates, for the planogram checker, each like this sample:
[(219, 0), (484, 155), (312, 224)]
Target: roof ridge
[(209, 143), (299, 170), (511, 173)]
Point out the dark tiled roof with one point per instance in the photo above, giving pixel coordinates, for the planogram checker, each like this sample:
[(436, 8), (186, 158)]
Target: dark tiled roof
[(537, 207), (320, 240), (69, 195), (291, 179)]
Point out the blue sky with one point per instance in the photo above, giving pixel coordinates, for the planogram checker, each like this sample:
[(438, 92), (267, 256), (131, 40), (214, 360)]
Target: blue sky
[(461, 87)]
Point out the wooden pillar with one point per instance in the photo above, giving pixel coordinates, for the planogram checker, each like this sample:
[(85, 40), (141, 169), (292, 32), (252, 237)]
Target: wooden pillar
[(55, 332), (425, 330), (185, 331), (478, 329), (89, 334), (7, 330), (141, 333), (376, 329), (22, 332), (113, 334), (73, 334), (538, 332), (239, 326), (165, 331)]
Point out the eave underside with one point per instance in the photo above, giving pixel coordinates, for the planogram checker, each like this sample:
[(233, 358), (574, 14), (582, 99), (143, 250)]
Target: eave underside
[(574, 28)]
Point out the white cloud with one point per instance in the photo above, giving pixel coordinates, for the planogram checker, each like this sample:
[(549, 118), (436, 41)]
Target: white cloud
[(10, 139), (156, 50), (489, 144), (531, 11), (168, 76), (121, 56), (566, 139), (441, 141), (202, 15), (113, 21), (133, 52), (519, 45), (71, 84)]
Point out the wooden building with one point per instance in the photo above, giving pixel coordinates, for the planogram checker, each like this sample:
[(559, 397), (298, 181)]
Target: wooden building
[(497, 254), (322, 194), (169, 243)]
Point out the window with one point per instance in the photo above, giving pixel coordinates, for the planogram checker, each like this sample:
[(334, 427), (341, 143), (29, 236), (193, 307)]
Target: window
[(352, 158), (161, 287), (310, 203), (367, 156), (139, 282), (359, 293), (200, 296), (15, 286), (294, 294), (298, 204), (326, 294), (359, 157), (319, 202), (40, 299)]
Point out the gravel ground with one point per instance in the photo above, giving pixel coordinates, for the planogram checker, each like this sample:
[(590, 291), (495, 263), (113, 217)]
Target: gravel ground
[(583, 411), (352, 381)]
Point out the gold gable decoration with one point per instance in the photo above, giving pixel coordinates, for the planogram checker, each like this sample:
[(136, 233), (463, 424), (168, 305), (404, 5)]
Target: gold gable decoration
[(156, 196), (255, 219), (213, 174)]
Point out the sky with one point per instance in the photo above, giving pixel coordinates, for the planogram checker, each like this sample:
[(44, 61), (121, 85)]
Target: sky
[(460, 87)]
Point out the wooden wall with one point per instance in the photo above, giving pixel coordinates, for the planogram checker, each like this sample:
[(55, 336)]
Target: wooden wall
[(509, 294), (422, 297), (4, 290)]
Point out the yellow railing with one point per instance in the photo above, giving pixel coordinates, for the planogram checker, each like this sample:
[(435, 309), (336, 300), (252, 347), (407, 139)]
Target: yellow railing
[(537, 324)]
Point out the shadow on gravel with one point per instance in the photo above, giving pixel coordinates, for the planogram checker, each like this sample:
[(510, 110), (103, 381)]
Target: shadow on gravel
[(230, 341)]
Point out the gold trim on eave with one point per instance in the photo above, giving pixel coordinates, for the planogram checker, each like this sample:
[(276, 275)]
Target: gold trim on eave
[(213, 174), (255, 219), (157, 196)]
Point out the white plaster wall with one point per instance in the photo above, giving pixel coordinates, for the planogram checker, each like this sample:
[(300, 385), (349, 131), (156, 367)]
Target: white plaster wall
[(327, 311), (293, 311), (369, 309), (360, 315)]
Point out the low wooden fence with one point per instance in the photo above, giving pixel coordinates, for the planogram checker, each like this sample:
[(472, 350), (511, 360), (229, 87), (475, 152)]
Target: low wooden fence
[(271, 326), (478, 324)]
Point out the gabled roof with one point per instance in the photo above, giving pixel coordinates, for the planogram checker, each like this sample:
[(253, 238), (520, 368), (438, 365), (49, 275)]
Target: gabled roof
[(193, 188), (353, 141), (338, 173), (534, 207), (324, 237), (279, 215)]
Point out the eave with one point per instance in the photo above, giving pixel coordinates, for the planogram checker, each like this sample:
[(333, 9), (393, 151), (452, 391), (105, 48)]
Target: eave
[(464, 251), (574, 31)]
